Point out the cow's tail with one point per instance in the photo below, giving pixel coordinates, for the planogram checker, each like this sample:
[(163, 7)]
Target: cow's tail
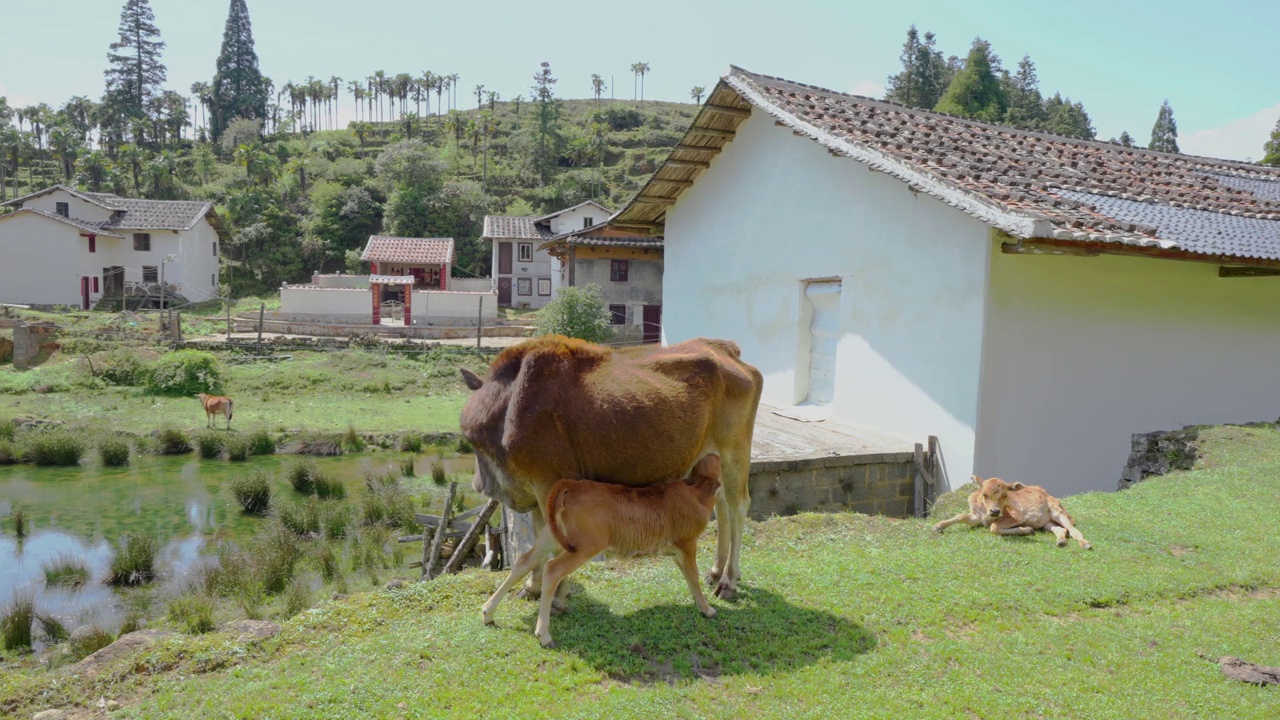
[(555, 504), (230, 404)]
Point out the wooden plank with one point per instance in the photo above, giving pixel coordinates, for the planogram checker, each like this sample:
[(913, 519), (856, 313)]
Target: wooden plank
[(694, 148), (468, 541), (730, 111), (700, 164), (1157, 253), (431, 551), (677, 183), (711, 132), (1224, 272), (655, 200), (919, 480)]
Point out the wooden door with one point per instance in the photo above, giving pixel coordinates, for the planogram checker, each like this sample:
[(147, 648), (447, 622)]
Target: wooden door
[(84, 293), (504, 258), (652, 323), (504, 292)]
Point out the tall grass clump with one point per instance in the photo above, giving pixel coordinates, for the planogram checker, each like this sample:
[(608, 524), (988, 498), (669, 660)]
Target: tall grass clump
[(235, 577), (297, 597), (406, 466), (411, 442), (336, 520), (193, 612), (438, 475), (8, 428), (210, 444), (253, 491), (134, 562), (19, 515), (301, 474), (53, 629), (464, 446), (10, 453), (87, 643), (114, 451), (351, 440), (328, 488), (15, 620), (53, 447), (321, 444), (261, 443), (237, 448), (303, 519), (66, 568), (384, 503), (275, 556), (172, 441)]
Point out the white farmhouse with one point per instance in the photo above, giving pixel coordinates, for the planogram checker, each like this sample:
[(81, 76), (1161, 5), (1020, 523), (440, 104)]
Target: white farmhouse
[(66, 247), (523, 274), (1031, 299)]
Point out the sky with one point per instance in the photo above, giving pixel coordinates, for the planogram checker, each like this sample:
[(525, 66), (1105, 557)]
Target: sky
[(1214, 62)]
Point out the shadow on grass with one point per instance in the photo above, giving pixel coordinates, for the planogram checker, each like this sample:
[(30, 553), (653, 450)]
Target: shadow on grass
[(758, 633)]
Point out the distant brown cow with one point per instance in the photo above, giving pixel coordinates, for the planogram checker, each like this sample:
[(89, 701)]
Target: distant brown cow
[(553, 408), (215, 405), (586, 517), (1016, 509)]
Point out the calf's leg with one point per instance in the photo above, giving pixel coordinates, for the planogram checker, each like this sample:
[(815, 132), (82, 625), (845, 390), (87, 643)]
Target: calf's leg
[(1058, 531), (967, 518), (687, 558), (1064, 521), (555, 571), (543, 545), (1005, 526)]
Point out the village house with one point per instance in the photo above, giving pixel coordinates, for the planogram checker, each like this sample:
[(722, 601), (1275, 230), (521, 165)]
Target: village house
[(523, 275), (627, 266), (1033, 300), (67, 247)]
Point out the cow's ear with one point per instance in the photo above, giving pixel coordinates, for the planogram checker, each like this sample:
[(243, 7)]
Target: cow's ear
[(976, 480), (472, 380), (1016, 486)]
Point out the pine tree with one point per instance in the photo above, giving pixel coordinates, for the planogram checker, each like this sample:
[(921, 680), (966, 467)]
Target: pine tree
[(1026, 106), (1164, 134), (1271, 151), (239, 90), (546, 129), (924, 73), (1125, 139), (975, 91), (135, 75), (1063, 117)]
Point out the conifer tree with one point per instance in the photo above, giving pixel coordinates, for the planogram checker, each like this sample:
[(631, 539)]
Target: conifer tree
[(1125, 139), (1271, 151), (975, 91), (1063, 117), (135, 75), (1026, 106), (239, 90), (924, 74), (1164, 134)]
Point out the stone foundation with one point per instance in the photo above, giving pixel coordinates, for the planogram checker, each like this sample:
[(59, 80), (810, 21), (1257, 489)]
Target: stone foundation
[(875, 484)]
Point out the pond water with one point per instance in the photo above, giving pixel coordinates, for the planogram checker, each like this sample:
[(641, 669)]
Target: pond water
[(183, 501)]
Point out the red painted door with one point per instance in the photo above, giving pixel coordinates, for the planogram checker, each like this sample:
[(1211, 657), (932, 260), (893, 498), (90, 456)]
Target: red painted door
[(504, 258), (504, 291), (84, 293), (652, 323)]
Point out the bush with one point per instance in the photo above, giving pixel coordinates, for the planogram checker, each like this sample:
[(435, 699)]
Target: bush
[(171, 441), (8, 428), (253, 492), (621, 117), (194, 612), (52, 447), (302, 474), (186, 373), (65, 568), (210, 444), (123, 367), (135, 560), (10, 453), (84, 644), (237, 448), (411, 442), (261, 443), (16, 620), (114, 451), (577, 312), (438, 475)]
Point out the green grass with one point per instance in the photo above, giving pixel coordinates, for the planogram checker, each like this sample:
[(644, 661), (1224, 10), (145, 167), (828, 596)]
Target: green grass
[(16, 620), (60, 446), (837, 616), (134, 561), (66, 568), (193, 612), (253, 491), (114, 451)]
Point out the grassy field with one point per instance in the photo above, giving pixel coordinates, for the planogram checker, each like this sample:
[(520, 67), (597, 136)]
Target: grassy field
[(839, 616)]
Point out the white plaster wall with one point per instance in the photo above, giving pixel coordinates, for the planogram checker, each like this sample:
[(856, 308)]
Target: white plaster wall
[(76, 207), (342, 281), (39, 261), (1084, 352), (434, 305), (483, 285), (327, 301), (197, 266), (539, 267), (776, 209), (572, 220)]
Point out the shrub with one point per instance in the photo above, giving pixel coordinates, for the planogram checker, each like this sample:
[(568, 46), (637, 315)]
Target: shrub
[(385, 504), (406, 466), (53, 447), (8, 428), (65, 568), (298, 597), (235, 577), (335, 521), (88, 641), (172, 441), (351, 440), (9, 452), (194, 612), (114, 451), (237, 448), (253, 492), (302, 474), (15, 620), (464, 446), (123, 367), (185, 372), (210, 444), (326, 560), (411, 442), (577, 312), (275, 555), (135, 560), (329, 488), (261, 443), (302, 519), (438, 475)]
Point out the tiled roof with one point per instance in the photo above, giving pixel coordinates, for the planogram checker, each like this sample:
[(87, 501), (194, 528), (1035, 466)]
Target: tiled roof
[(385, 248), (94, 198), (558, 213), (634, 241), (514, 227), (81, 225), (156, 214), (1031, 185)]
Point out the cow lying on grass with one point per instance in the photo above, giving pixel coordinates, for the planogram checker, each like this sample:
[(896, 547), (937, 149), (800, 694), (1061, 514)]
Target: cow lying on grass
[(1016, 509), (585, 518)]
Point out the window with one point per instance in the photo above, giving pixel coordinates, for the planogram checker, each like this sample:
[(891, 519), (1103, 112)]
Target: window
[(62, 209), (524, 286), (544, 286), (619, 314), (142, 241), (149, 274), (526, 252), (618, 270), (588, 222), (213, 279), (215, 248), (93, 243)]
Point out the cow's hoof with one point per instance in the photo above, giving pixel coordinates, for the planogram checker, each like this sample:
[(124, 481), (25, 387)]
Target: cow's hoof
[(1087, 546), (710, 613), (527, 594), (547, 643), (487, 617), (1062, 543), (725, 590), (712, 579), (937, 529)]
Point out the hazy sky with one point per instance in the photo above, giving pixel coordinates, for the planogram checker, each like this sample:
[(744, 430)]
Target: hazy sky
[(1215, 62)]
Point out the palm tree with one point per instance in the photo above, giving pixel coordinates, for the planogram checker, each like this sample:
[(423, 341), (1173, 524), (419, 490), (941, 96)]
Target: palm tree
[(200, 92), (635, 81), (441, 81), (488, 127), (426, 84), (597, 86), (696, 93), (643, 69), (479, 97), (379, 89), (357, 94), (334, 82), (453, 84), (492, 97)]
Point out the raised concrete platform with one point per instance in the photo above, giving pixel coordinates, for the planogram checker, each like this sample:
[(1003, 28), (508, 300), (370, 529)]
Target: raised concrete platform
[(827, 466)]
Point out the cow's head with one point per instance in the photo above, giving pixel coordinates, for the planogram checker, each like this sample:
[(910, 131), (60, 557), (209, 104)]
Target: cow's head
[(993, 493), (482, 422)]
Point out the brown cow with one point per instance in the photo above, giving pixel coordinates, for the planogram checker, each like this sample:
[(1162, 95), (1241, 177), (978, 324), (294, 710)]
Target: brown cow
[(553, 408), (586, 518), (1016, 509), (215, 405)]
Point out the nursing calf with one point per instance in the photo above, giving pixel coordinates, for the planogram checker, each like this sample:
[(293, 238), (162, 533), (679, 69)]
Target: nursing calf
[(585, 517), (1016, 509)]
